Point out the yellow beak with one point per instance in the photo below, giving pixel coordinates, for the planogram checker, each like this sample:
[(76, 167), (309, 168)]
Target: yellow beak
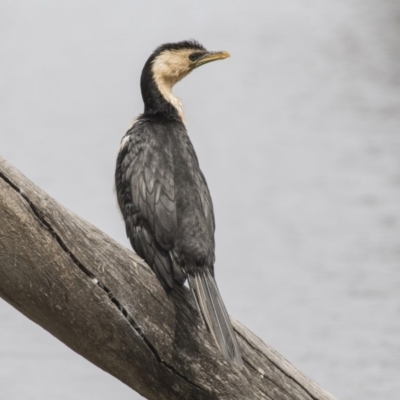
[(211, 56)]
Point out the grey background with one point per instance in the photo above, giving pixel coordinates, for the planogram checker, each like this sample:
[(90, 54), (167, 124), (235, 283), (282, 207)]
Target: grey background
[(298, 135)]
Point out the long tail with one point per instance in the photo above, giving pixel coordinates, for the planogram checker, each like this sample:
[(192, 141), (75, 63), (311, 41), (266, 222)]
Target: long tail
[(212, 308)]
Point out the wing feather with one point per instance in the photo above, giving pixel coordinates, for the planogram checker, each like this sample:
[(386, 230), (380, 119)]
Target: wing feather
[(147, 198)]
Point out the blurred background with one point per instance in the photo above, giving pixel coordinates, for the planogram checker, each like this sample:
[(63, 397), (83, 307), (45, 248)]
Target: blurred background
[(298, 135)]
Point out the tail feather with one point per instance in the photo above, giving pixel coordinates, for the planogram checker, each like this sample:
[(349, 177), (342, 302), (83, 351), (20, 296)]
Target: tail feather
[(213, 310)]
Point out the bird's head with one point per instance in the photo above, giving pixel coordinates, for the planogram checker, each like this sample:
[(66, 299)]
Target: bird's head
[(173, 61), (170, 63)]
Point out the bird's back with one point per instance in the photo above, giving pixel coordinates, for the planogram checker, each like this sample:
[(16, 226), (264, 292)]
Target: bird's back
[(164, 198)]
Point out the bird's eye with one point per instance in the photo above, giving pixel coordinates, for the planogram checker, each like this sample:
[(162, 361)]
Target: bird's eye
[(194, 56)]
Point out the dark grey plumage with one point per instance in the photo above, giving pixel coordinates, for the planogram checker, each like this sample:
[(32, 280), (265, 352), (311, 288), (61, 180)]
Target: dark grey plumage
[(163, 194)]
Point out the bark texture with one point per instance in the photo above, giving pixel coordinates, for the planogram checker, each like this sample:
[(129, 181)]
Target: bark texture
[(106, 304)]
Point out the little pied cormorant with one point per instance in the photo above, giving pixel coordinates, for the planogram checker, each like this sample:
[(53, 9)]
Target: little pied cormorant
[(163, 195)]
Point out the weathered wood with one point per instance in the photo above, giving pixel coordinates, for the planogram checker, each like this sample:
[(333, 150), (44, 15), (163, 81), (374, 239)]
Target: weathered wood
[(105, 303)]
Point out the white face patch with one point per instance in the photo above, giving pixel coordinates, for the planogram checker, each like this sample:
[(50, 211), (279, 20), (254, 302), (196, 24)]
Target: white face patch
[(168, 69)]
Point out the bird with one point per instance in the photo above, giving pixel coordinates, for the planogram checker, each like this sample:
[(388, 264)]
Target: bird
[(163, 195)]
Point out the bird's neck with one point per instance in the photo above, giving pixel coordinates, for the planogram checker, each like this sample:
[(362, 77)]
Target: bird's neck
[(165, 88), (159, 99)]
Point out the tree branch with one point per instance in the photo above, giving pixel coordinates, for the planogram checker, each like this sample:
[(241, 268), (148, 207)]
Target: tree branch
[(105, 303)]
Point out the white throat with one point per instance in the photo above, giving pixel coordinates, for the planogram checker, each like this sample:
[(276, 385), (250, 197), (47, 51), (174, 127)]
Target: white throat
[(166, 91), (168, 69)]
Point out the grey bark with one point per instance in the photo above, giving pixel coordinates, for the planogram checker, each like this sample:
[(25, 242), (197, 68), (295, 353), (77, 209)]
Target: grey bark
[(105, 303)]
